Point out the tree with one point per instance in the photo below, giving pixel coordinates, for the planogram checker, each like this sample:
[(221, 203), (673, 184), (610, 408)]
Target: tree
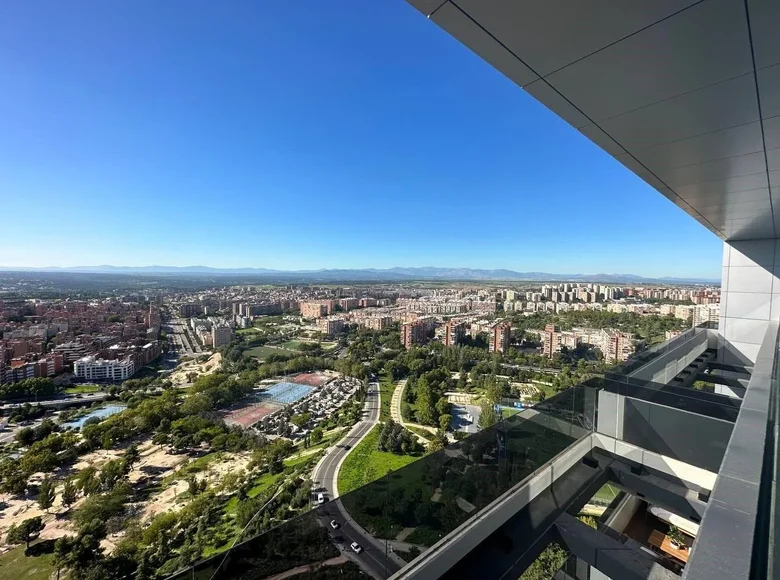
[(46, 494), (25, 436), (437, 443), (87, 481), (488, 416), (316, 435), (444, 421), (69, 492), (25, 532), (132, 455)]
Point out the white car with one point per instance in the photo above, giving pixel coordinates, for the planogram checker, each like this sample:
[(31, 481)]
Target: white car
[(334, 524), (320, 498), (357, 548)]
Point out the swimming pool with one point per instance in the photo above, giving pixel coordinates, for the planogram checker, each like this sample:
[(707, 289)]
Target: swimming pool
[(103, 412)]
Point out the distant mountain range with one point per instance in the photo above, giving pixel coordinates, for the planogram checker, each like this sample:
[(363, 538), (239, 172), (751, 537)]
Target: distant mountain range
[(371, 274)]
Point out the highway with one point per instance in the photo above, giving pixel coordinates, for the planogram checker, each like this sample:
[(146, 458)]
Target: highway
[(372, 559)]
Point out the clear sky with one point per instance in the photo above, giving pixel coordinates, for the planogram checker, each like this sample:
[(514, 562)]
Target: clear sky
[(299, 135)]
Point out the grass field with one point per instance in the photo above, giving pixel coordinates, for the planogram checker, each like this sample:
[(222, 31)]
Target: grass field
[(386, 388), (261, 352), (291, 344), (81, 389), (250, 330), (16, 565), (506, 412), (366, 463)]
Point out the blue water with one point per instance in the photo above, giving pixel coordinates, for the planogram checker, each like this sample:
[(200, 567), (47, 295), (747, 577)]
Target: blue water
[(103, 412), (286, 393)]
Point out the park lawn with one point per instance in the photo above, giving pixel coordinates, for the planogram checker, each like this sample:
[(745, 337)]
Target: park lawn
[(298, 459), (366, 463), (263, 484), (327, 345), (15, 564), (261, 352), (386, 388), (507, 412), (250, 330), (81, 389), (291, 344)]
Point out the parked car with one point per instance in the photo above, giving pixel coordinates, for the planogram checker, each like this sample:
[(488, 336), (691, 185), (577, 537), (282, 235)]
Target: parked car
[(357, 548)]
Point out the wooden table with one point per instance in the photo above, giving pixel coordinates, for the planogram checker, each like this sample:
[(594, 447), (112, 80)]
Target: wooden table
[(663, 543)]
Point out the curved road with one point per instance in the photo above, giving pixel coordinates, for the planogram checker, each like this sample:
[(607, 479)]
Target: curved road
[(372, 559)]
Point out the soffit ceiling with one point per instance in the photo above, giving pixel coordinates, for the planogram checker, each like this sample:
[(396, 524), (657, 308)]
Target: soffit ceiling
[(685, 94)]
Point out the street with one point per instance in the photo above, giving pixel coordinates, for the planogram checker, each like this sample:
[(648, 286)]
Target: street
[(373, 558)]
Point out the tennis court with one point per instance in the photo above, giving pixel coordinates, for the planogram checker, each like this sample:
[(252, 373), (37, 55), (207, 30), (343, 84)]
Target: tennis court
[(250, 415), (285, 393)]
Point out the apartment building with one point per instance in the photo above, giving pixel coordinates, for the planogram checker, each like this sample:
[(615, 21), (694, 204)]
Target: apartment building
[(705, 314), (415, 333), (551, 340), (617, 346), (312, 310), (500, 335), (91, 368), (330, 325), (454, 333), (221, 334), (348, 304)]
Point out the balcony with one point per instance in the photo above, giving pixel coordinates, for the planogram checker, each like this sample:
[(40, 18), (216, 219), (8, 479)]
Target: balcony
[(700, 460)]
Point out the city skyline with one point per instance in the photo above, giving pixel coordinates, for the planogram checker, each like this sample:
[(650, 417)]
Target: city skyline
[(251, 135)]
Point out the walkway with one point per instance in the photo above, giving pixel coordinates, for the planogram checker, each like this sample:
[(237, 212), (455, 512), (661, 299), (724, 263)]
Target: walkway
[(395, 410)]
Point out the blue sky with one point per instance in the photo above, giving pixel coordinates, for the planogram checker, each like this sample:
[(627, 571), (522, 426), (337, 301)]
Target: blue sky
[(335, 135)]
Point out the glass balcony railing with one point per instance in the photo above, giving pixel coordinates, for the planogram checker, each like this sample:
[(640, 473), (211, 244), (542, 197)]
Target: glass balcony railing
[(407, 511), (642, 358), (403, 514)]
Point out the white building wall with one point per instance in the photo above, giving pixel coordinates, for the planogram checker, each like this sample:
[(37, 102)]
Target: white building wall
[(750, 298)]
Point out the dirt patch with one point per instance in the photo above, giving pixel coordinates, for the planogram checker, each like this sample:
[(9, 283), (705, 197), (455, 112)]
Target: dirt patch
[(179, 376)]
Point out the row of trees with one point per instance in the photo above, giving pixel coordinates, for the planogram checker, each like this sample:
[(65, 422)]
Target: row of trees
[(33, 388), (393, 438)]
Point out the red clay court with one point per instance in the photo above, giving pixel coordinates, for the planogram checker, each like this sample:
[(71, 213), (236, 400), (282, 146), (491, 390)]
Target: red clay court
[(311, 379), (248, 416)]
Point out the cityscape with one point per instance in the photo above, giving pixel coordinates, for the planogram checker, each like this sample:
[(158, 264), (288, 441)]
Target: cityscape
[(400, 290), (151, 407)]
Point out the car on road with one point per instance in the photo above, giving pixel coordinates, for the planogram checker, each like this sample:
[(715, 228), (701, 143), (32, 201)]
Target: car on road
[(321, 499), (334, 524), (357, 548)]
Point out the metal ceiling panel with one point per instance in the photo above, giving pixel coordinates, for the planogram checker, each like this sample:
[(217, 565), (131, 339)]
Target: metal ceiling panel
[(773, 158), (534, 28), (739, 140), (764, 25), (451, 19), (669, 89), (708, 199), (731, 185), (716, 107), (772, 132), (769, 88), (598, 136), (669, 59), (426, 6), (558, 104), (714, 170)]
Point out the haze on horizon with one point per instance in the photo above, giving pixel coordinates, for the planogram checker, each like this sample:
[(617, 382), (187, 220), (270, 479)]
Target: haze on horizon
[(250, 135)]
